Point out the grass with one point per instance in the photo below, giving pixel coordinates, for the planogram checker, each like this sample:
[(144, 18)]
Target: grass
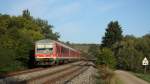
[(118, 82), (107, 76), (11, 67), (143, 76), (115, 80)]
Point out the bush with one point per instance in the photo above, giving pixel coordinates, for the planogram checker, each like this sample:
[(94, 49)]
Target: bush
[(106, 57)]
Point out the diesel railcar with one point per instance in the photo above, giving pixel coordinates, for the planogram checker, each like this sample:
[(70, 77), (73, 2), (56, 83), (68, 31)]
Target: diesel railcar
[(49, 52)]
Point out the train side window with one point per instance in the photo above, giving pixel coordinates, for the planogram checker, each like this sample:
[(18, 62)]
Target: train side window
[(62, 50)]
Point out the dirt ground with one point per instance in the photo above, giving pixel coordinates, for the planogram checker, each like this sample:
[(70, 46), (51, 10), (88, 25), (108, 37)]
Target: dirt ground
[(128, 78)]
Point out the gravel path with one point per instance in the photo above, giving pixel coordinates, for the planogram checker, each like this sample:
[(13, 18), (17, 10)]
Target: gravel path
[(128, 78)]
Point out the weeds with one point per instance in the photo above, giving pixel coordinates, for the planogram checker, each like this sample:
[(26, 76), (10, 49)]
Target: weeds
[(106, 75)]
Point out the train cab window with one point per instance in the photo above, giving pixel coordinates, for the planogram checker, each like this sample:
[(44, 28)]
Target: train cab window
[(40, 49), (44, 50)]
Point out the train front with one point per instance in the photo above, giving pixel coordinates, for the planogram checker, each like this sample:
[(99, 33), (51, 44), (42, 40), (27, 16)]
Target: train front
[(44, 52)]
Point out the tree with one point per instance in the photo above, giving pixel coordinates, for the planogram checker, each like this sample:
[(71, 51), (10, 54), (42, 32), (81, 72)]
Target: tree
[(113, 34), (17, 35), (106, 57), (46, 29), (26, 14), (131, 51)]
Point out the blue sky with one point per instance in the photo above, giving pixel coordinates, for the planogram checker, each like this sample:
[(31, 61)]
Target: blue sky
[(85, 21)]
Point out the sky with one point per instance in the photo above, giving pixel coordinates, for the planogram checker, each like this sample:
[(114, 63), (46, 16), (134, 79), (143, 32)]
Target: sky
[(85, 21)]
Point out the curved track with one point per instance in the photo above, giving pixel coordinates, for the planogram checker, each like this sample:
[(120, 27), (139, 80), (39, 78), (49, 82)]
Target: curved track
[(42, 75)]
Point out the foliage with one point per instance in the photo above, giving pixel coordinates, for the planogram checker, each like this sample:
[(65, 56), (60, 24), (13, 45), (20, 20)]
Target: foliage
[(93, 51), (26, 14), (131, 51), (113, 34), (106, 76), (17, 35), (46, 29), (106, 57)]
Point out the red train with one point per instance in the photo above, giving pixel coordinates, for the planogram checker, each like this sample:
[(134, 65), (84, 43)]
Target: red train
[(49, 52)]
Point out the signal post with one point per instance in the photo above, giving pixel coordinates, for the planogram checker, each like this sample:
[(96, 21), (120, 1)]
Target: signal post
[(145, 63)]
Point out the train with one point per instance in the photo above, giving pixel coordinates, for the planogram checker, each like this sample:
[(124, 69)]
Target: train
[(51, 52)]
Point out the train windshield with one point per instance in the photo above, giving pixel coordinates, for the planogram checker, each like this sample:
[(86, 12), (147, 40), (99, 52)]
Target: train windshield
[(44, 49)]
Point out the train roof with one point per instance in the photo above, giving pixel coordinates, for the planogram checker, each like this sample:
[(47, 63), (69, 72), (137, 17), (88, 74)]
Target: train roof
[(52, 41), (45, 41)]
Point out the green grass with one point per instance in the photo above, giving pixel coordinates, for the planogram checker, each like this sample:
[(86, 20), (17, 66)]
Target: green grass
[(118, 81), (145, 77), (11, 67)]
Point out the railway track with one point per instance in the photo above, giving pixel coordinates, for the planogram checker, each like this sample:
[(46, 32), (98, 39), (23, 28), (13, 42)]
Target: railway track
[(22, 72), (58, 74), (61, 77)]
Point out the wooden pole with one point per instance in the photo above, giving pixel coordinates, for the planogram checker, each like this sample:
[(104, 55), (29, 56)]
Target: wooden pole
[(145, 69)]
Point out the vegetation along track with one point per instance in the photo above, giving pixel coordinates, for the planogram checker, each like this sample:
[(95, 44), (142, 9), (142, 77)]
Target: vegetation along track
[(36, 76)]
